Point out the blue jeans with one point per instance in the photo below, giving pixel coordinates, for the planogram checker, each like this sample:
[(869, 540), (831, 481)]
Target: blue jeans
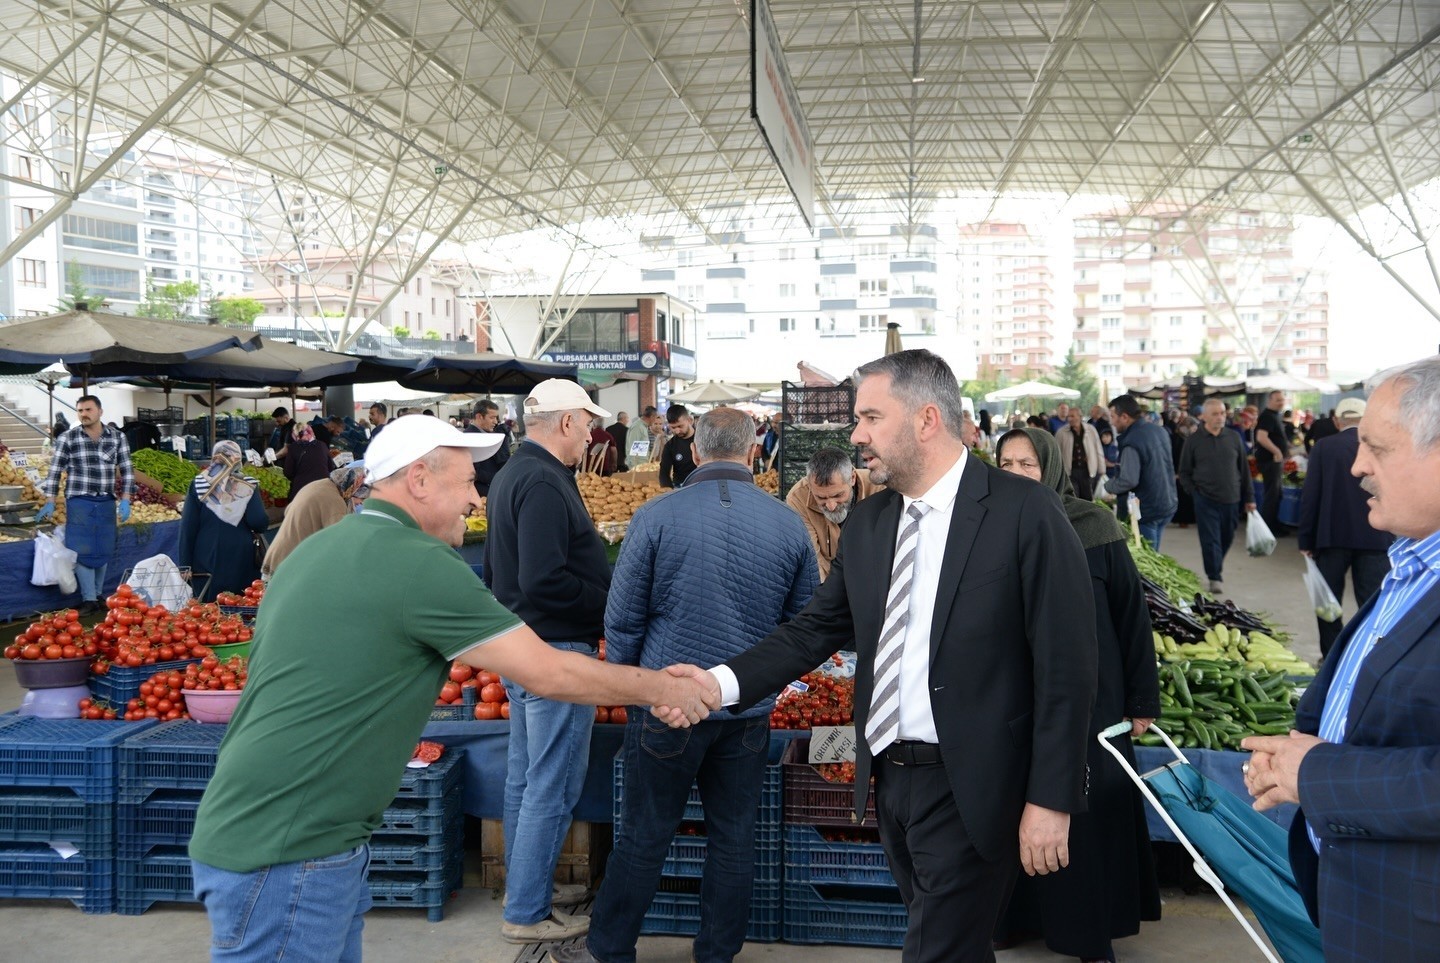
[(727, 758), (313, 909), (549, 749), (1216, 523), (1151, 528), (91, 581)]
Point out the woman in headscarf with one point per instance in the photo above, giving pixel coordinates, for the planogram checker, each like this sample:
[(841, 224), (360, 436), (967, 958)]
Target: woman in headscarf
[(316, 507), (1109, 886), (222, 514), (306, 459)]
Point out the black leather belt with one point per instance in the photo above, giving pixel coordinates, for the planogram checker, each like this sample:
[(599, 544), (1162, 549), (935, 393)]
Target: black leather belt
[(906, 753)]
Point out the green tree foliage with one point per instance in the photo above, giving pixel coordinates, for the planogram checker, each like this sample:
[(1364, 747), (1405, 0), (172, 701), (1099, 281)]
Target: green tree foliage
[(1074, 373), (432, 335), (1207, 365), (400, 331), (236, 312), (984, 382), (75, 290), (168, 302)]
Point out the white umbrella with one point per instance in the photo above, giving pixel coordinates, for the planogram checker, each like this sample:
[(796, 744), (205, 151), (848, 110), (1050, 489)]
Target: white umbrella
[(715, 393), (1284, 381), (1031, 389)]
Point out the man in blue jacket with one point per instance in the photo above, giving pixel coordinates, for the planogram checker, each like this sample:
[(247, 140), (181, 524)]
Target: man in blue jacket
[(755, 566), (1146, 467)]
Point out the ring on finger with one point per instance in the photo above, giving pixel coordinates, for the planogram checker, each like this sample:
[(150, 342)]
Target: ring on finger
[(1245, 768)]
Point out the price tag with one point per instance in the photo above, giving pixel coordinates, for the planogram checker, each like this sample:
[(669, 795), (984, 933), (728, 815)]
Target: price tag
[(33, 475), (20, 459), (832, 744), (640, 449)]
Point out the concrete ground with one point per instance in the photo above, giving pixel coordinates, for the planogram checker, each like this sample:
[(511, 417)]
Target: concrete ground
[(1195, 927)]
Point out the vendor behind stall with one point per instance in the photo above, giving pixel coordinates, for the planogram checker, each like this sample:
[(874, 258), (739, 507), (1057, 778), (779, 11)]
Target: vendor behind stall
[(223, 512)]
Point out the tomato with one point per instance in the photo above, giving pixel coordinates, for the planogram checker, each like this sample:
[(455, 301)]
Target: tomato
[(54, 651), (12, 651), (485, 678), (450, 692), (602, 714), (504, 710), (429, 751), (494, 692), (486, 711), (460, 672), (619, 714)]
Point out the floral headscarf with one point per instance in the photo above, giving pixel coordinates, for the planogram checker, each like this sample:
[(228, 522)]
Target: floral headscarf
[(222, 487), (349, 479), (304, 434)]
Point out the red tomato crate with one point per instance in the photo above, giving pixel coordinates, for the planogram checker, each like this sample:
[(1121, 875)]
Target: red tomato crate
[(120, 684), (812, 801)]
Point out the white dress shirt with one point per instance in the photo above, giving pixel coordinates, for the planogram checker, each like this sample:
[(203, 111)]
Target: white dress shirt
[(917, 722)]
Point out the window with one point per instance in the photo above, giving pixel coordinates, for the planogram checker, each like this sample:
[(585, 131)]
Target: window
[(32, 272), (1110, 370), (1174, 344), (101, 235), (25, 167), (432, 305), (1177, 320), (114, 283), (872, 250), (873, 286), (1109, 347), (786, 254), (1110, 321), (1108, 299), (873, 322), (787, 290), (26, 216), (787, 324)]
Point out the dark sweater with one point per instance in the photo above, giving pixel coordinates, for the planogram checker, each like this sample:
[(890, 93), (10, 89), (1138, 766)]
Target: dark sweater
[(543, 558), (1215, 467), (677, 461)]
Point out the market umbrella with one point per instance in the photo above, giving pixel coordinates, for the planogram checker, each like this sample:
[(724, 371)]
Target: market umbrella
[(483, 373), (715, 393), (1284, 381), (272, 363), (892, 338), (83, 339), (1031, 389)]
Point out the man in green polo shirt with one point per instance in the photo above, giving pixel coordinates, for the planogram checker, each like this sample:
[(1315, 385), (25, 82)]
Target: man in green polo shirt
[(336, 700)]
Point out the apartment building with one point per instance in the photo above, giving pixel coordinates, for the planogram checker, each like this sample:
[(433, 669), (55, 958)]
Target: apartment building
[(1004, 288)]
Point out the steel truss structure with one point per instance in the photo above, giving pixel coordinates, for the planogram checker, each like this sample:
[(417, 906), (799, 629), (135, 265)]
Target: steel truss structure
[(416, 121)]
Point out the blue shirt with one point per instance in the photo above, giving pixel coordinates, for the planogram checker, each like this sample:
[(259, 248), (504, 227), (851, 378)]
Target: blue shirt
[(1414, 571)]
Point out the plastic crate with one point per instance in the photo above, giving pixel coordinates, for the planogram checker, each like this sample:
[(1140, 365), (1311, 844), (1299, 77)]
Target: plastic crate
[(246, 613), (73, 754), (816, 404), (54, 815), (427, 891), (855, 915), (163, 876), (420, 817), (35, 871), (120, 684), (771, 791), (418, 854), (811, 858), (173, 755), (810, 800), (463, 711), (160, 416), (675, 911), (166, 818), (439, 779)]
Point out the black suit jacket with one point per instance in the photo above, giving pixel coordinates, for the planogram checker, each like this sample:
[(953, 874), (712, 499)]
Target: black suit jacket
[(1333, 507), (1012, 647)]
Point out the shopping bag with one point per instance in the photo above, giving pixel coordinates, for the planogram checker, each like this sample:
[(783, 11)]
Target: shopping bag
[(159, 581), (54, 563), (1258, 539), (1327, 606)]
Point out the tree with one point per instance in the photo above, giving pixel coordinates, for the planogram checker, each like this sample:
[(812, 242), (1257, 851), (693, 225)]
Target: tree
[(75, 290), (236, 312), (984, 382), (1074, 373), (400, 331), (168, 301), (1207, 365)]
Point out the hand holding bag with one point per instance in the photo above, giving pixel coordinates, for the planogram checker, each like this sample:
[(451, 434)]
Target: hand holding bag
[(1258, 538)]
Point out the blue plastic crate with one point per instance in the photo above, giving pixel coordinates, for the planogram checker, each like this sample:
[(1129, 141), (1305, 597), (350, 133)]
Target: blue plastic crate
[(407, 890), (463, 711), (771, 792), (686, 855), (811, 858), (855, 915), (52, 815), (73, 754), (173, 755), (163, 876), (35, 871), (675, 911), (439, 779), (165, 818), (418, 854), (122, 683), (421, 817)]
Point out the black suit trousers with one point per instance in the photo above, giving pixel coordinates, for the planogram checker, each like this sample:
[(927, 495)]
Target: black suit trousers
[(953, 895), (1367, 570)]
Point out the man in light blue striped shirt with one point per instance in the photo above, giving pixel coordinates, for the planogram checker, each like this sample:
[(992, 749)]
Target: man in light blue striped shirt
[(1364, 761)]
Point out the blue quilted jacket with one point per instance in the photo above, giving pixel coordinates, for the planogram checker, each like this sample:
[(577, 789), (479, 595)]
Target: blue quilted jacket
[(706, 572)]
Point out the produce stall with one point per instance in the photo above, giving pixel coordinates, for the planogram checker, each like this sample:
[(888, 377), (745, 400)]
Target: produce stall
[(19, 599)]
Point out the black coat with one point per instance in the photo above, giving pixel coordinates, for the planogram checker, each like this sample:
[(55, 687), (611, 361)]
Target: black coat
[(1334, 509), (225, 552)]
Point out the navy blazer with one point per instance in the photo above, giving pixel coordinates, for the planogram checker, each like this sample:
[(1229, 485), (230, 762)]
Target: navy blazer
[(1333, 507), (1374, 800)]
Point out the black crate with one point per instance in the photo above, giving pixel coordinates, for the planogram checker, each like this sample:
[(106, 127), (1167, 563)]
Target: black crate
[(160, 416), (799, 442), (817, 405)]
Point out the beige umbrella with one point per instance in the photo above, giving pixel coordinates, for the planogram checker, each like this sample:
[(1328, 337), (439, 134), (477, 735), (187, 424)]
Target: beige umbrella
[(714, 393), (892, 338)]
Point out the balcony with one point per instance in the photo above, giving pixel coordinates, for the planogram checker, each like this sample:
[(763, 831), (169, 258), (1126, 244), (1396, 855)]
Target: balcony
[(838, 304), (156, 254), (725, 272), (160, 237), (159, 217), (158, 200), (913, 302), (912, 267)]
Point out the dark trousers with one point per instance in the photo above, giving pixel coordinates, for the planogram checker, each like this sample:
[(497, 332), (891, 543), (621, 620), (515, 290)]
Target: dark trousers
[(727, 759), (1367, 571), (1270, 507), (1083, 483), (954, 897), (1216, 523)]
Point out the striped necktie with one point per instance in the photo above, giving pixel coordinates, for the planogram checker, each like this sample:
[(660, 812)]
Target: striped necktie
[(883, 726)]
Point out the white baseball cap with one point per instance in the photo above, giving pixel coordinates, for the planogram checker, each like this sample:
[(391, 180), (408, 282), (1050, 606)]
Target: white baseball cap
[(560, 395), (412, 437), (1350, 408)]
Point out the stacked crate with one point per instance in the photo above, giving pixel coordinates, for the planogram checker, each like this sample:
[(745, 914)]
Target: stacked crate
[(675, 909), (416, 857), (58, 784), (838, 887)]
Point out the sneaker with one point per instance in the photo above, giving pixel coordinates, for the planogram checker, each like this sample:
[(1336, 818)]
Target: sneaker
[(561, 894), (1217, 587), (555, 927), (574, 953)]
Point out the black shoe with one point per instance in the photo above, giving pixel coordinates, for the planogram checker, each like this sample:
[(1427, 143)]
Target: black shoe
[(89, 607)]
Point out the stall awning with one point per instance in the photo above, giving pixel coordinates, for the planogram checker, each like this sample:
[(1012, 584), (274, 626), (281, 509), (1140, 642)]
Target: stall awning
[(598, 378)]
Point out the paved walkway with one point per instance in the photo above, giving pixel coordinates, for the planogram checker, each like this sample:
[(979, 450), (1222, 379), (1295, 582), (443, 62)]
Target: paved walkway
[(1195, 928)]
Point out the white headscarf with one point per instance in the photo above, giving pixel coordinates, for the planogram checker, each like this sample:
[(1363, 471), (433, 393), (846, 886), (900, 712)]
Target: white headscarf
[(221, 487)]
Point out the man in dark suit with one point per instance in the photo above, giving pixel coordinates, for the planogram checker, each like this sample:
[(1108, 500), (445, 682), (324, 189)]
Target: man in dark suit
[(486, 419), (1364, 763), (1335, 522), (965, 591)]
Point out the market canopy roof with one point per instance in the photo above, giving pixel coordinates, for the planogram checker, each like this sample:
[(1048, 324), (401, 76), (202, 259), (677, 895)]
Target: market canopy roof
[(470, 120), (85, 340), (483, 373), (273, 363)]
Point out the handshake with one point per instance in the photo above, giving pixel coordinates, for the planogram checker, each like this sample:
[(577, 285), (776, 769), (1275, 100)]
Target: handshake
[(687, 694)]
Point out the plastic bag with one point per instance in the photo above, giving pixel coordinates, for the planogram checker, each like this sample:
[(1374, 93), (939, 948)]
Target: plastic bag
[(1258, 538), (1327, 606), (159, 582), (54, 563)]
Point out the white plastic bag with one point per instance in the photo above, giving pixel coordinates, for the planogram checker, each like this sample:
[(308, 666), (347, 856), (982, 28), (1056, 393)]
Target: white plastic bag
[(54, 563), (1327, 606), (1258, 538), (159, 582)]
